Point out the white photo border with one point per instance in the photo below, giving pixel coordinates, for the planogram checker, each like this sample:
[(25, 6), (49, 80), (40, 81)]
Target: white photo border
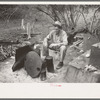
[(49, 90)]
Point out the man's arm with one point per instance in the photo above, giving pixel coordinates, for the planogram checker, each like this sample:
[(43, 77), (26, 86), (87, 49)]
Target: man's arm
[(46, 39), (64, 41), (64, 38)]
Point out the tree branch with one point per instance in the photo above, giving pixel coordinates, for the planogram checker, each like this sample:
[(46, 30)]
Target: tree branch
[(44, 12), (12, 13), (93, 18)]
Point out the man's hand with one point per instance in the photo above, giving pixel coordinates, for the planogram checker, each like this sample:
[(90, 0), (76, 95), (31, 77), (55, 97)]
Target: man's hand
[(54, 46)]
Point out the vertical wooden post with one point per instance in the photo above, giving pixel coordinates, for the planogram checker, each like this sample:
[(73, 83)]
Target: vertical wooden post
[(28, 30), (22, 24), (11, 49), (32, 27)]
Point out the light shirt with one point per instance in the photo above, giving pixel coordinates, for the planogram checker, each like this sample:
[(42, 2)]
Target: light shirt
[(53, 37)]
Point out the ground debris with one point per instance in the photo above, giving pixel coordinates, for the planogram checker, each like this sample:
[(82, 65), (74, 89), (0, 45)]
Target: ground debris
[(51, 75), (81, 61), (90, 68)]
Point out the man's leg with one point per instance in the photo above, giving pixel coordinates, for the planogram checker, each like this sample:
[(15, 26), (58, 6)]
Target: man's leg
[(62, 53), (45, 49), (62, 50), (62, 56)]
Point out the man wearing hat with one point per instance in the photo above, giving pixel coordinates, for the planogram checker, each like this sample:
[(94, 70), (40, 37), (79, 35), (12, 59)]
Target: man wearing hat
[(56, 40)]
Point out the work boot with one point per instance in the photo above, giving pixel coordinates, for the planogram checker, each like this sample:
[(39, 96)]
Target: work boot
[(60, 65)]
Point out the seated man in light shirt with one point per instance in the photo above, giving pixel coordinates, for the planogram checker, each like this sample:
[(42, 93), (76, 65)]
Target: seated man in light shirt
[(56, 40)]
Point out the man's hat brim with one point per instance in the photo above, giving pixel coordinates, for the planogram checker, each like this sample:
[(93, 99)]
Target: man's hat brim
[(57, 25)]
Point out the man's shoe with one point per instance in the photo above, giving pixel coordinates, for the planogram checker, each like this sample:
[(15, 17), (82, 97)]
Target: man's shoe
[(60, 65)]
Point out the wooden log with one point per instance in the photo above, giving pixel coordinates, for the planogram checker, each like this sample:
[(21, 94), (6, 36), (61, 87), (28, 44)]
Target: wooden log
[(8, 42), (77, 43)]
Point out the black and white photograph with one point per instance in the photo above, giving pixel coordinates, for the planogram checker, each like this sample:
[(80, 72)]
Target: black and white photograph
[(49, 43), (46, 47)]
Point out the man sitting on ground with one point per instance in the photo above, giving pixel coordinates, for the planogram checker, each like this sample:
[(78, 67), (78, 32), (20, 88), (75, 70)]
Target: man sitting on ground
[(56, 40)]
